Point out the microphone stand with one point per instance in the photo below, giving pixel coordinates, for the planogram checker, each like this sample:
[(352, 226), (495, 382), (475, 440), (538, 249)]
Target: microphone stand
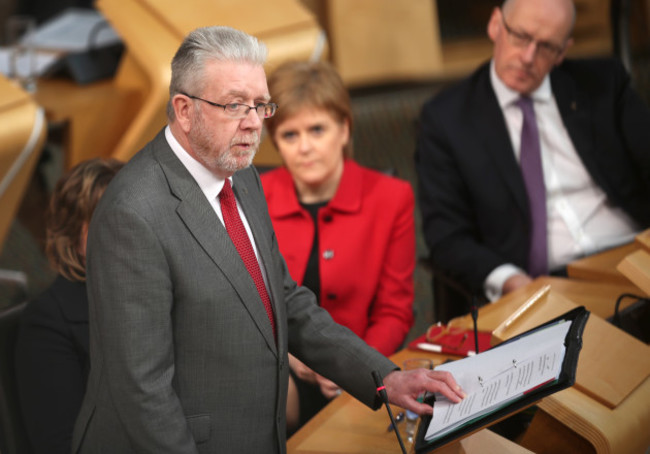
[(381, 389), (474, 310)]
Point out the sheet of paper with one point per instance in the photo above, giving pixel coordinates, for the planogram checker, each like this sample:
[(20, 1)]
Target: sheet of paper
[(496, 377)]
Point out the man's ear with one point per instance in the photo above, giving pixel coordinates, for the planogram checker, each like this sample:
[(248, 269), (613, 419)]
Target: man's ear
[(183, 109), (560, 57), (495, 24)]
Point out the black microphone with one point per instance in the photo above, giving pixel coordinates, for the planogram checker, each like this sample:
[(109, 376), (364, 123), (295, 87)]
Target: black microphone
[(381, 389), (474, 310)]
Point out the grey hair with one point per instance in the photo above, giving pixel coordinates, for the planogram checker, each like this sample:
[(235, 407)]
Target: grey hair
[(208, 44)]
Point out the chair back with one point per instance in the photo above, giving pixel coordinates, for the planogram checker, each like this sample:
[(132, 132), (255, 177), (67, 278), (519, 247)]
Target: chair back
[(13, 436)]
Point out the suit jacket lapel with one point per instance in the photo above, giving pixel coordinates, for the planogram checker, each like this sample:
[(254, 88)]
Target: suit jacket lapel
[(492, 130), (204, 225), (575, 110), (251, 207)]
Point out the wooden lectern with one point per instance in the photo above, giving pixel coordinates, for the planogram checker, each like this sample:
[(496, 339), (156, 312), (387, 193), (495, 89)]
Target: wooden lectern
[(636, 266), (607, 410)]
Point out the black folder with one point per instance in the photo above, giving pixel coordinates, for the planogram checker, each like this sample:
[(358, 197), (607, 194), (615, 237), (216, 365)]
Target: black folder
[(566, 379)]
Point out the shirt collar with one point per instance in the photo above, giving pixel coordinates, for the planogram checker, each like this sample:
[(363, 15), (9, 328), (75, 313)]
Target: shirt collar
[(507, 97), (209, 183)]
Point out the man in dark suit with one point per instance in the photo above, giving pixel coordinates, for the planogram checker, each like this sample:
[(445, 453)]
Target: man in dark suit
[(192, 309), (490, 227)]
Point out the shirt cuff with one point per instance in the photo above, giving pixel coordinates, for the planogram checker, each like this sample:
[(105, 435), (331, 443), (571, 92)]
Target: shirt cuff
[(493, 285)]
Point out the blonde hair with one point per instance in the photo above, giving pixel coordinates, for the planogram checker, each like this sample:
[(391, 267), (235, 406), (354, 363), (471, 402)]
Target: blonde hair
[(299, 85), (73, 201)]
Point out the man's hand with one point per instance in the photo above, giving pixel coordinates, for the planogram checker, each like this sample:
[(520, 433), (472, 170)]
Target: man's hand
[(403, 388), (514, 282)]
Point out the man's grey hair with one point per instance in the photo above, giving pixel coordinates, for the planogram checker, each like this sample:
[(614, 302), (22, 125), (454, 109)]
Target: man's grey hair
[(208, 44)]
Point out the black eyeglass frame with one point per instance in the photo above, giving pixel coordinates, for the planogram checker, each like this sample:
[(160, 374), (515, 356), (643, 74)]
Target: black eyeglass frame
[(272, 105), (548, 50)]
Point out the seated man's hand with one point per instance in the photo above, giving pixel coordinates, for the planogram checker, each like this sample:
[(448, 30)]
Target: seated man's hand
[(403, 388), (514, 282)]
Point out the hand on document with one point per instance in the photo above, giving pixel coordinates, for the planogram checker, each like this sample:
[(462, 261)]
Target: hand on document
[(496, 377), (403, 388)]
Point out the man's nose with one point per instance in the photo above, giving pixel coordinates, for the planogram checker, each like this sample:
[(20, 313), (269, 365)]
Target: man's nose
[(251, 120), (529, 52)]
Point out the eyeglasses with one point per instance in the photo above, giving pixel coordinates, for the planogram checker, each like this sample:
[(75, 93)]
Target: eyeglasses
[(544, 49), (237, 110)]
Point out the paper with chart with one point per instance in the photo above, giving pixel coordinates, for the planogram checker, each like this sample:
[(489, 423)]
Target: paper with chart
[(498, 376)]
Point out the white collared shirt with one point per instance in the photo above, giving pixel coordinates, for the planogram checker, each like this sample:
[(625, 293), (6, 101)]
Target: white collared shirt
[(581, 221), (211, 186)]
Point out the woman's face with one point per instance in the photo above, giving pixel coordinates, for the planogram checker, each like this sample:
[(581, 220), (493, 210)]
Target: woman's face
[(311, 146)]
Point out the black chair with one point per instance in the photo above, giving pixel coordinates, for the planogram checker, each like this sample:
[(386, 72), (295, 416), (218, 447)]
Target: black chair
[(13, 437)]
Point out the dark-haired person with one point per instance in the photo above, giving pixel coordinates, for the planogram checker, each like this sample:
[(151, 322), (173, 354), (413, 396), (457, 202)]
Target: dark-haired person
[(52, 359)]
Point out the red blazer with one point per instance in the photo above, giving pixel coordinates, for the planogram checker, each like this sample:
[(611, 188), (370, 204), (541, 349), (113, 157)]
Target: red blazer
[(367, 250)]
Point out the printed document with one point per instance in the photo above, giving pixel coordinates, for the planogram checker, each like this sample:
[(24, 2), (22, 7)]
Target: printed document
[(496, 377)]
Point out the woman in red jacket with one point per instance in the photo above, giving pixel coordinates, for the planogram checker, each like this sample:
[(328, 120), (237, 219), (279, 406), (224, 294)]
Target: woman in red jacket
[(345, 231)]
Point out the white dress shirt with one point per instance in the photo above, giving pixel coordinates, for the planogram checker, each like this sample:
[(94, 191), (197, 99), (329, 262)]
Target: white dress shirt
[(581, 220), (211, 186)]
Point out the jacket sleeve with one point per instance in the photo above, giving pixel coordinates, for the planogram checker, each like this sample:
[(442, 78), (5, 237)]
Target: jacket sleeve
[(449, 187), (391, 314)]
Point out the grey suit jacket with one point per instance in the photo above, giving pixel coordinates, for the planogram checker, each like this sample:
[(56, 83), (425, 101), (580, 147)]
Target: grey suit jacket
[(183, 358)]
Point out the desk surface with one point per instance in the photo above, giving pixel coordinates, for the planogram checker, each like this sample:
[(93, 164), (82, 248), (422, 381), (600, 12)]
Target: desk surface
[(348, 426)]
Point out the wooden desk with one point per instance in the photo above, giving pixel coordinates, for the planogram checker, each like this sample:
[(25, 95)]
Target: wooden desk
[(566, 422), (348, 426), (570, 421), (602, 266)]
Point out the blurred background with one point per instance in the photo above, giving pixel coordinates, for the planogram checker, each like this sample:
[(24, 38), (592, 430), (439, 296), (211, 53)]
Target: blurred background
[(107, 97)]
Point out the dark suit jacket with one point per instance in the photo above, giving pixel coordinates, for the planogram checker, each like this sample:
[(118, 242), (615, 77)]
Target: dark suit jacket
[(182, 352), (52, 364), (472, 194)]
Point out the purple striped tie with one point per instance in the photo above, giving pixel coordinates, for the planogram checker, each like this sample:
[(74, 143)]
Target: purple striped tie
[(530, 161)]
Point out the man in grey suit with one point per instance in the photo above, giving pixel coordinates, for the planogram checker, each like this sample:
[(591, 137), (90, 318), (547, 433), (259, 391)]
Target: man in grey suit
[(185, 357)]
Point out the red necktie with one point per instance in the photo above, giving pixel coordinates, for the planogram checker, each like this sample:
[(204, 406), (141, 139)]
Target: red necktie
[(240, 239), (530, 162)]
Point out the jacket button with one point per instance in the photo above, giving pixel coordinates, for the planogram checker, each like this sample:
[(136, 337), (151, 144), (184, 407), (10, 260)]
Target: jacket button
[(331, 296), (327, 218), (328, 254)]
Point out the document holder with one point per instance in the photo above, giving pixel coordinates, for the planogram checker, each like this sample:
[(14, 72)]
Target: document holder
[(566, 378)]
